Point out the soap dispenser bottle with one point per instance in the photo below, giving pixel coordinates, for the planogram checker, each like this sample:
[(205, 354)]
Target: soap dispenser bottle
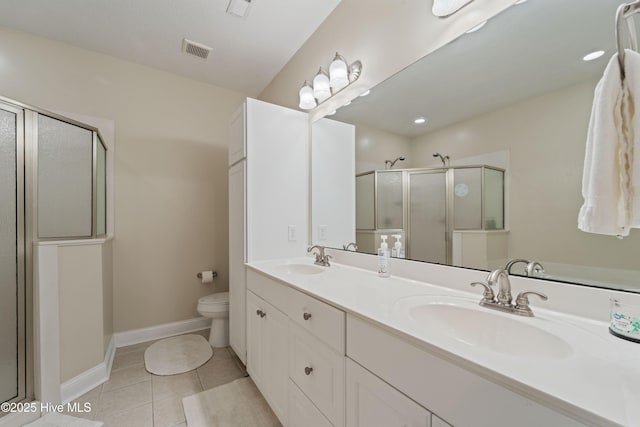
[(397, 251), (383, 258)]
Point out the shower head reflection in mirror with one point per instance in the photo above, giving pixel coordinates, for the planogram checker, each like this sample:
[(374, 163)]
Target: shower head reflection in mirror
[(516, 99)]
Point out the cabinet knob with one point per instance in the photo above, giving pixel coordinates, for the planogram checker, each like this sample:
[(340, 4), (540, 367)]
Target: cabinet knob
[(306, 316), (259, 312), (308, 370), (262, 314)]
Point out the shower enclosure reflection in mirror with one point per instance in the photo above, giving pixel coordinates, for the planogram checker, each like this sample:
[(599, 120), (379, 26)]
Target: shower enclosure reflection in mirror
[(515, 95)]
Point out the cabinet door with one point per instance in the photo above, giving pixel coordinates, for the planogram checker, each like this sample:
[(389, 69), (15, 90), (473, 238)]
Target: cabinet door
[(237, 257), (267, 338), (274, 354), (372, 402), (255, 337), (302, 412)]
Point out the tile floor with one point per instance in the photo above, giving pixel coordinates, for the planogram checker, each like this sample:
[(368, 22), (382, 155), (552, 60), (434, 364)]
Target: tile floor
[(135, 398)]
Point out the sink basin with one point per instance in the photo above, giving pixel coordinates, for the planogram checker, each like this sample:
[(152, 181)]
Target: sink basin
[(302, 269), (466, 322)]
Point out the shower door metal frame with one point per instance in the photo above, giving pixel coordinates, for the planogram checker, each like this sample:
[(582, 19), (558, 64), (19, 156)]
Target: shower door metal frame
[(22, 253)]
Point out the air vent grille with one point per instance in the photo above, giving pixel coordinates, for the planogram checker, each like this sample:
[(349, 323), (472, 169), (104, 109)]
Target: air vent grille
[(195, 49)]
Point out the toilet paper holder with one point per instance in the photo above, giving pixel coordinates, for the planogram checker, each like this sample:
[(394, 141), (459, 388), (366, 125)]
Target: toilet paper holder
[(199, 275)]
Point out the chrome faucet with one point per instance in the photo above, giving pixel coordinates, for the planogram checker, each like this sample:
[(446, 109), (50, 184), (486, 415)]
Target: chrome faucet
[(321, 258), (350, 245), (500, 277), (534, 267), (513, 262), (503, 301)]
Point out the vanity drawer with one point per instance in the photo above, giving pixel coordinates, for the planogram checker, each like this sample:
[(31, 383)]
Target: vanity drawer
[(319, 372), (302, 412), (325, 322), (270, 290)]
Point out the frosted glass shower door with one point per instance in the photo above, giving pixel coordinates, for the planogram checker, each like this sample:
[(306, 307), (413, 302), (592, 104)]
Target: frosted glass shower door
[(427, 239), (11, 268)]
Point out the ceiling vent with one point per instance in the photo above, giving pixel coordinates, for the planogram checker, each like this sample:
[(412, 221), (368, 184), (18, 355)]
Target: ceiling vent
[(195, 49), (240, 8)]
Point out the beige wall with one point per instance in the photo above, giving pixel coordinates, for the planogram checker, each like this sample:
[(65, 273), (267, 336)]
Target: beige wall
[(386, 35), (171, 168), (107, 293), (374, 146), (545, 137), (81, 309)]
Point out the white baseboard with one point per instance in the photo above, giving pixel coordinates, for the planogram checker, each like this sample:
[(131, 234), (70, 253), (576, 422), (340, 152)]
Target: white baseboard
[(136, 336), (90, 379)]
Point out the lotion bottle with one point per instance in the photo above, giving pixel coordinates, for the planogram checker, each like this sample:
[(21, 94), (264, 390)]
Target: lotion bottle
[(397, 251), (383, 258)]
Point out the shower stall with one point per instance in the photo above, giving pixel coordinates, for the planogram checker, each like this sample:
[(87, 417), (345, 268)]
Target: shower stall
[(52, 187), (426, 206)]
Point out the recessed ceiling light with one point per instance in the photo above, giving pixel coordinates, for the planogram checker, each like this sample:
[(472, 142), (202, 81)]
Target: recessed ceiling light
[(365, 93), (420, 120), (593, 55), (477, 27)]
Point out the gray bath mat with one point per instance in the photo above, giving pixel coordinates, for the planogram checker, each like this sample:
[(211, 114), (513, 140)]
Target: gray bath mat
[(177, 355), (237, 404)]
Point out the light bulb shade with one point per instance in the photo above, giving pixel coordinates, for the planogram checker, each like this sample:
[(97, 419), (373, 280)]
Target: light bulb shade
[(355, 70), (338, 73), (321, 88), (307, 100)]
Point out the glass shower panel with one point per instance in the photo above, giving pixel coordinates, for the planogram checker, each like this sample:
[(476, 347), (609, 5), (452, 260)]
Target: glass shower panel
[(493, 199), (467, 199), (8, 257), (65, 179), (365, 191), (101, 190), (427, 217), (389, 201)]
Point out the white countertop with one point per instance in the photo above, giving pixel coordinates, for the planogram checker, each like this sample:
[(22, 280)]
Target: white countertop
[(595, 379)]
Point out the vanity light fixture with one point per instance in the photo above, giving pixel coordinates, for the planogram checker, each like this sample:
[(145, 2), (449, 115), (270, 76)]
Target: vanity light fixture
[(593, 55), (321, 86), (420, 120), (307, 100), (325, 84)]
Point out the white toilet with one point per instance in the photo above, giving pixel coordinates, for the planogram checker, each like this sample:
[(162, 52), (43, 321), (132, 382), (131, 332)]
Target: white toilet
[(216, 307)]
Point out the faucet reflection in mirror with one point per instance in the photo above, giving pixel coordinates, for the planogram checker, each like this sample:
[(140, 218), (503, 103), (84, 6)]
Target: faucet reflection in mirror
[(325, 84)]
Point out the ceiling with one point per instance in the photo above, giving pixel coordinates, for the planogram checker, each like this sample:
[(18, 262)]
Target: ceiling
[(529, 49), (247, 53)]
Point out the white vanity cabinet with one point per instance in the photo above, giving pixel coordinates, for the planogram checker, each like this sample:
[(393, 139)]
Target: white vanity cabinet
[(459, 395), (316, 353), (372, 402), (267, 342)]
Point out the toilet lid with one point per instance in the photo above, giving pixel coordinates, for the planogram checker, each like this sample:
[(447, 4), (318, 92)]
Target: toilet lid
[(217, 298)]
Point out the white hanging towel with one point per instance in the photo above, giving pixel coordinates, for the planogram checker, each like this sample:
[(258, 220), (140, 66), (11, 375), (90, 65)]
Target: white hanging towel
[(632, 81), (609, 177)]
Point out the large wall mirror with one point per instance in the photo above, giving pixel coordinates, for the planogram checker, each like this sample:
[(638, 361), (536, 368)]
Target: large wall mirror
[(494, 172)]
